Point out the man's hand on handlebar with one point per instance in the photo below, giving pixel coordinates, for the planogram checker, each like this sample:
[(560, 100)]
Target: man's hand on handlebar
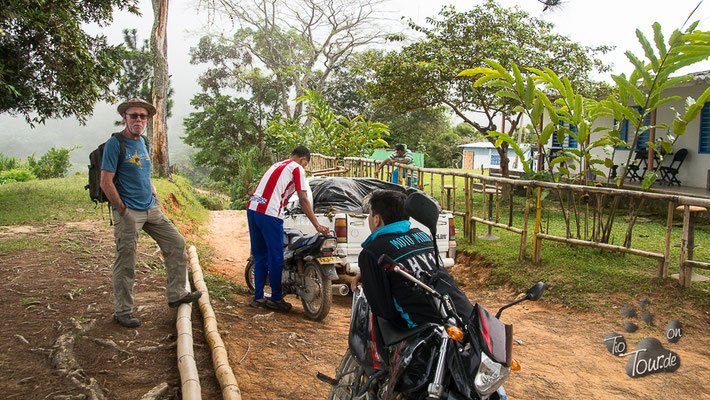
[(354, 284), (322, 229)]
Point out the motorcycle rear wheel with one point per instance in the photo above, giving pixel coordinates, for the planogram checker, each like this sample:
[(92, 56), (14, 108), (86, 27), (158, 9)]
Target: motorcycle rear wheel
[(318, 292), (249, 278), (350, 377)]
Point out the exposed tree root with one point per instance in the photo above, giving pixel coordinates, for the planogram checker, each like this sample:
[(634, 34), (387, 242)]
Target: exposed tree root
[(63, 359), (156, 392)]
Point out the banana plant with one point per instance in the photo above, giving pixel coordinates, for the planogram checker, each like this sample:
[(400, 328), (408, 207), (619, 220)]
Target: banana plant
[(541, 91)]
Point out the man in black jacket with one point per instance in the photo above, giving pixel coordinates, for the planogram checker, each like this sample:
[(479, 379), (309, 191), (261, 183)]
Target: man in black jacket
[(388, 294)]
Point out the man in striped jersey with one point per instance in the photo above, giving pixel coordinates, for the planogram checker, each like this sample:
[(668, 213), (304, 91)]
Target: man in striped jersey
[(265, 217)]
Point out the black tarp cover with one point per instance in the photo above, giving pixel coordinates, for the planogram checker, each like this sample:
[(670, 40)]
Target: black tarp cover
[(347, 194)]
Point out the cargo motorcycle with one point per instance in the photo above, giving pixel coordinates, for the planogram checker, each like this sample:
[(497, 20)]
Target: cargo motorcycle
[(309, 269)]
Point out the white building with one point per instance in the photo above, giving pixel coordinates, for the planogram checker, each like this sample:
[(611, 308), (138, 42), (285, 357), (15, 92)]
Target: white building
[(484, 155), (695, 169)]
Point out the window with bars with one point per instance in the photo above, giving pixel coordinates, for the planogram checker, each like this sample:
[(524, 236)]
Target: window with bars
[(569, 142), (624, 131), (495, 159), (704, 143)]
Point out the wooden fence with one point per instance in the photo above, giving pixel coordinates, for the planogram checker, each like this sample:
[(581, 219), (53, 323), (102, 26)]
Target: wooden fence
[(493, 191)]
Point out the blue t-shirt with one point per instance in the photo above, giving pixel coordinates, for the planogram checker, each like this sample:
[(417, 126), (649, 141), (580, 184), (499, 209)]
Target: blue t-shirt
[(133, 177)]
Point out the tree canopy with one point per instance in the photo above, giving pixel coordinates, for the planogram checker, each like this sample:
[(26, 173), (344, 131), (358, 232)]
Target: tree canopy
[(297, 43), (424, 74), (49, 66)]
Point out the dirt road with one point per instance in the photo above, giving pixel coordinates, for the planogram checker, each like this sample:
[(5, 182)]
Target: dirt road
[(276, 356)]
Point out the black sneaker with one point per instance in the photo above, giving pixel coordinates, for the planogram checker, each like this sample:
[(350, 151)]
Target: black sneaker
[(189, 298), (280, 305), (127, 320), (257, 304)]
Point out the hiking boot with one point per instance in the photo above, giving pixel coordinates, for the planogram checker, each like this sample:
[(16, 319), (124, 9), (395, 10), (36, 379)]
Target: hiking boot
[(280, 305), (127, 320), (257, 304), (189, 298)]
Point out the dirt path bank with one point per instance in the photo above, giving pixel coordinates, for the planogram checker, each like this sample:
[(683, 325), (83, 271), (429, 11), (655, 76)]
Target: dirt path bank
[(562, 352)]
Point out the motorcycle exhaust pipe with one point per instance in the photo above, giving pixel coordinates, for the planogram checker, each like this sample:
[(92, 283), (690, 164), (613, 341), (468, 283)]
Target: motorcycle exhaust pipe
[(341, 289)]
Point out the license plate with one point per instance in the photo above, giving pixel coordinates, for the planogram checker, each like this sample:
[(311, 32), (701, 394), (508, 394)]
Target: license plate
[(328, 260)]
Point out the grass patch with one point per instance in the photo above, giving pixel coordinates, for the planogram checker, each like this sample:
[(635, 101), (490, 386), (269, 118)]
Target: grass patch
[(34, 201), (22, 244), (586, 278)]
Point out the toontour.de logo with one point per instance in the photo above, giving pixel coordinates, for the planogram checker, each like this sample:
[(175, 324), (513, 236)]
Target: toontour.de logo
[(651, 357)]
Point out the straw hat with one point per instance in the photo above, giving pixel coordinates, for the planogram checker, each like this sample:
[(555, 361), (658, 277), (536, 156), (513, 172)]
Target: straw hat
[(136, 102)]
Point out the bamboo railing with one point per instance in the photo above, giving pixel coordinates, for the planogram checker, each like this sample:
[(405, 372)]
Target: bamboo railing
[(476, 185), (220, 359), (187, 367)]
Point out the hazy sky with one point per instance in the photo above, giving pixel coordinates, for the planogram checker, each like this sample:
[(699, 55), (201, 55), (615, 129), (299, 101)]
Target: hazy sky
[(590, 22)]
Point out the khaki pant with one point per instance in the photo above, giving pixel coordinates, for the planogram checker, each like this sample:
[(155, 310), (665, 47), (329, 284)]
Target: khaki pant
[(172, 244)]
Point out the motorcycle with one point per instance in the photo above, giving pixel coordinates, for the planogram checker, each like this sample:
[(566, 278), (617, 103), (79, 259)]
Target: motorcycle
[(309, 269), (449, 359)]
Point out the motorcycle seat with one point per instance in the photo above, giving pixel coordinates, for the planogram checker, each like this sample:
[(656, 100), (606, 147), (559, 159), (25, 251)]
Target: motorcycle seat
[(291, 235), (306, 243), (392, 333)]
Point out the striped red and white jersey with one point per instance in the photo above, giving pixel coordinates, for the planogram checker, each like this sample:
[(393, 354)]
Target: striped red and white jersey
[(279, 182)]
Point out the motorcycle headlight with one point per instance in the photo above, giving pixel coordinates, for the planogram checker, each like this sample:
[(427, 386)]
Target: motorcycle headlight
[(329, 244), (490, 375)]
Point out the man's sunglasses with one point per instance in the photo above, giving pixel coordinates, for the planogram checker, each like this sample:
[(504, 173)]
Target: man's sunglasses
[(136, 115)]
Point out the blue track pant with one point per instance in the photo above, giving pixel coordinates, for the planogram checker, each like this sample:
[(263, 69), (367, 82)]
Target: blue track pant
[(267, 236)]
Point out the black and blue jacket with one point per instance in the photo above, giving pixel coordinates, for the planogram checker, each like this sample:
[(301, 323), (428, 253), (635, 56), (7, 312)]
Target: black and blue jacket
[(389, 295)]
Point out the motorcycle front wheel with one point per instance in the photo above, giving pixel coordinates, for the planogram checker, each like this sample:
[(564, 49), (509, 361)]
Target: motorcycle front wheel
[(317, 292), (249, 278), (350, 377)]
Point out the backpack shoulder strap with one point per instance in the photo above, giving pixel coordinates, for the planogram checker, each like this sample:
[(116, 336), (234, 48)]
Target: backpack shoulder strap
[(147, 146), (122, 152)]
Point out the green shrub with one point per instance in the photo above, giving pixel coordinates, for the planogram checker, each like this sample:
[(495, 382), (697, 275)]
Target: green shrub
[(210, 203), (9, 162), (249, 171), (53, 164), (21, 174)]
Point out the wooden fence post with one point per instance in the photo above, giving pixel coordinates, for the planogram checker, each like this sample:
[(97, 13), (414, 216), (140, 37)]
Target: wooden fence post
[(538, 220), (684, 280), (524, 235), (467, 219), (663, 267)]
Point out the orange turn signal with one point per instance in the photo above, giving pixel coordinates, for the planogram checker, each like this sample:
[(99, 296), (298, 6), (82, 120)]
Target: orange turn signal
[(455, 333), (515, 365)]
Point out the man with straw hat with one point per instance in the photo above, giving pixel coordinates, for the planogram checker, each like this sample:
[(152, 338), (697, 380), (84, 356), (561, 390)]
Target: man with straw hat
[(127, 185)]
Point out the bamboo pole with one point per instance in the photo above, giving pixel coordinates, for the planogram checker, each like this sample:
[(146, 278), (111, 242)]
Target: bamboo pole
[(466, 221), (683, 275), (442, 191), (220, 359), (538, 221), (431, 184), (187, 367), (622, 249), (524, 234), (497, 225), (696, 264), (663, 273), (454, 190), (485, 200), (497, 202)]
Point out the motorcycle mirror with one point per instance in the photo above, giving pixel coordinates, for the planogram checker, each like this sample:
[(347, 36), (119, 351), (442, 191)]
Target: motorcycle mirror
[(423, 209), (535, 292)]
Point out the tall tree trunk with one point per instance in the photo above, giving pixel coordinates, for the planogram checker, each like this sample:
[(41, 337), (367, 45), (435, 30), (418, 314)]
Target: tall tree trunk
[(159, 50)]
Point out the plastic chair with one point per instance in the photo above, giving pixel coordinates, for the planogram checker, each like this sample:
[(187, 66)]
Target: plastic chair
[(669, 173), (639, 160)]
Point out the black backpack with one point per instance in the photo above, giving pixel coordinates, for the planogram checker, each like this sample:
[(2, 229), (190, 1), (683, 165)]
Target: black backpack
[(95, 158)]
